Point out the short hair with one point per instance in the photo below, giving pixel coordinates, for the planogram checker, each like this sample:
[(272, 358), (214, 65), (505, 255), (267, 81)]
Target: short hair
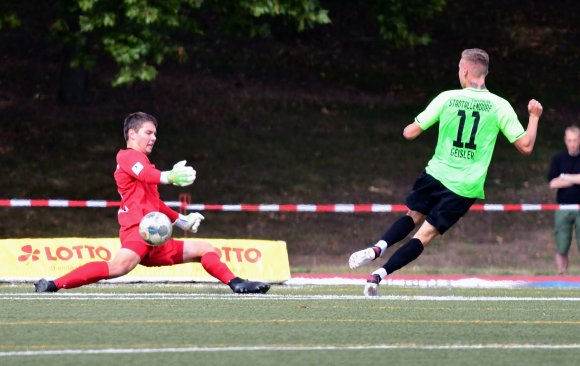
[(135, 121), (479, 58)]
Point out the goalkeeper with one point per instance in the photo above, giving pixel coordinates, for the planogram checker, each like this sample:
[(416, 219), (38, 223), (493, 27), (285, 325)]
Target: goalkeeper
[(137, 180), (470, 120)]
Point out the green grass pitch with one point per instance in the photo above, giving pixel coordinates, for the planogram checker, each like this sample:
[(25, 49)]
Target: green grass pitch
[(202, 324)]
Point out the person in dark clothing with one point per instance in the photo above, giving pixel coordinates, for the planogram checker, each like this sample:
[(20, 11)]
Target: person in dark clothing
[(564, 176)]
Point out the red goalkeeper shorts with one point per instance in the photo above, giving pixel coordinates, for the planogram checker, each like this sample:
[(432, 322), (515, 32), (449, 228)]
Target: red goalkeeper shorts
[(151, 256)]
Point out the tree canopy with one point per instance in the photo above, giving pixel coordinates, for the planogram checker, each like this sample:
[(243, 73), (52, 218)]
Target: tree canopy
[(140, 35)]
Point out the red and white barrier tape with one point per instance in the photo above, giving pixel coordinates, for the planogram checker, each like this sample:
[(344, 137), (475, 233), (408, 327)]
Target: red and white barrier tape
[(340, 208)]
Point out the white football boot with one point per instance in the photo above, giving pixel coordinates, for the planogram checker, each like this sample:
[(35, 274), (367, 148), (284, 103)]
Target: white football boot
[(372, 286), (361, 257)]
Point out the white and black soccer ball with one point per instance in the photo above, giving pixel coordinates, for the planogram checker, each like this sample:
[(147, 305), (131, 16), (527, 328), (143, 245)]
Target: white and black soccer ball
[(155, 228)]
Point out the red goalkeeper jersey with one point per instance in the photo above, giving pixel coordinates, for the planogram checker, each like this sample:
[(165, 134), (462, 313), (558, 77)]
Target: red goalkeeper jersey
[(137, 180)]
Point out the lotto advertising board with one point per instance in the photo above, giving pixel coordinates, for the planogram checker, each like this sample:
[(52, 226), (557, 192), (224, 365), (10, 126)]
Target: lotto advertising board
[(31, 259)]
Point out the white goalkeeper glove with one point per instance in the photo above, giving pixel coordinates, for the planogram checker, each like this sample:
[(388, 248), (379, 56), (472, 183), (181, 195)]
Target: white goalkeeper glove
[(181, 175), (190, 222)]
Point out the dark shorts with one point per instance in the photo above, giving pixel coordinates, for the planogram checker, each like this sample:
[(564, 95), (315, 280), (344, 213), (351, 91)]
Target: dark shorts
[(165, 255), (442, 207)]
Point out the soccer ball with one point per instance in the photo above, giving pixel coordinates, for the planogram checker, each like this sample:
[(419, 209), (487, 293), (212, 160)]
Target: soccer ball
[(155, 228)]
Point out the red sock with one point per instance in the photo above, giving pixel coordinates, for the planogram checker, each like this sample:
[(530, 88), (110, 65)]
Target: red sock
[(84, 275), (212, 264)]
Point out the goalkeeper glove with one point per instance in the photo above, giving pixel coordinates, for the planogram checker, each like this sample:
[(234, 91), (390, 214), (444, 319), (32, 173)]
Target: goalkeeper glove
[(181, 175), (190, 222)]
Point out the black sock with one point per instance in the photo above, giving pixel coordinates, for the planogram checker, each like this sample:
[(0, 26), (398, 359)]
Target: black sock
[(399, 230), (404, 255)]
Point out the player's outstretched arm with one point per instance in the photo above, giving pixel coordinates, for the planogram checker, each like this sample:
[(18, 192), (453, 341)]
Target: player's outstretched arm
[(525, 144), (412, 131), (181, 175)]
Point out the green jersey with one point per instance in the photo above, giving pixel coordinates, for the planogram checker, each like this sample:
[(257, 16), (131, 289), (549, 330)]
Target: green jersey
[(469, 122)]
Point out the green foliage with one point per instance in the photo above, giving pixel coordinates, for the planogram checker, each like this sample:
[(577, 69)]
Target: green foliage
[(137, 34), (306, 13), (8, 17), (141, 34), (398, 20), (10, 20)]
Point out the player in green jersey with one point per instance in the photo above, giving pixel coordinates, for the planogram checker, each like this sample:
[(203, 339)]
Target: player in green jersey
[(470, 120)]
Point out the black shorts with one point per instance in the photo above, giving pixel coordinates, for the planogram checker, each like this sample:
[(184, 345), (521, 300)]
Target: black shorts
[(442, 207)]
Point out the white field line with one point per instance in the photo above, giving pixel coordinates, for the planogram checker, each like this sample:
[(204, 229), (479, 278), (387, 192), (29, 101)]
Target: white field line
[(432, 283), (65, 352), (467, 282), (234, 297)]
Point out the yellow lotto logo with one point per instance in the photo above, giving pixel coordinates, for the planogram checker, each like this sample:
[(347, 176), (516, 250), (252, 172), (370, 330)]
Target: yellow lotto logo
[(29, 259)]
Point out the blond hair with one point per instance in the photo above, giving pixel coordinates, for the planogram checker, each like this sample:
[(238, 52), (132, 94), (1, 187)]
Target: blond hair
[(478, 58)]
